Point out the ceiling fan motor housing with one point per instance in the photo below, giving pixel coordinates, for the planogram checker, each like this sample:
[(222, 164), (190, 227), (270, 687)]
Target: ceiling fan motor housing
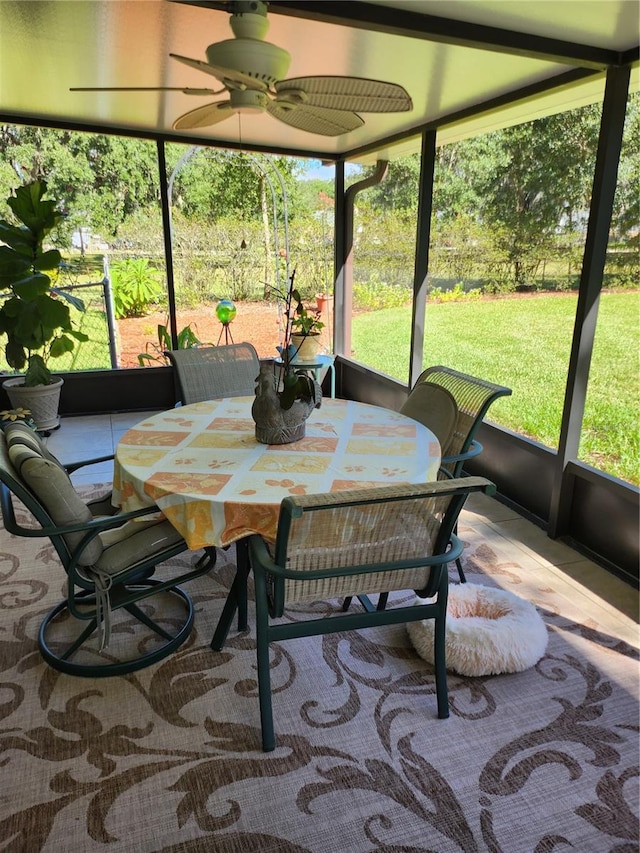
[(261, 60), (248, 101)]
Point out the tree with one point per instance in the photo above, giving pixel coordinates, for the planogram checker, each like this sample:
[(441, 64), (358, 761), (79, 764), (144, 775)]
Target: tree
[(399, 188), (626, 211), (542, 177), (103, 179)]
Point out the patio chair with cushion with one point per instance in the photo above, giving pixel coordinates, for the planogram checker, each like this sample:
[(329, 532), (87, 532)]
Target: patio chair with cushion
[(353, 543), (109, 558), (206, 373)]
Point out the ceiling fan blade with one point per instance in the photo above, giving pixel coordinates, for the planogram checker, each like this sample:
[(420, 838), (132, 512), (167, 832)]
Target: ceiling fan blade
[(228, 76), (315, 119), (204, 116), (186, 90), (346, 93)]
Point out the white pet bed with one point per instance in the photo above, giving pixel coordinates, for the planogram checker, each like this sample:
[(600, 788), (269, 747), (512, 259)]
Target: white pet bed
[(489, 631)]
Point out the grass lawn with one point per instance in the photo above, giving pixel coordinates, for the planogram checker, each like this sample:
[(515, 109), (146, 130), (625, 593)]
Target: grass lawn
[(525, 343)]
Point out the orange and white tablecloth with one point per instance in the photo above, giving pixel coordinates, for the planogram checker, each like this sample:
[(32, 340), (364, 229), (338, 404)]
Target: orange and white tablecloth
[(201, 464)]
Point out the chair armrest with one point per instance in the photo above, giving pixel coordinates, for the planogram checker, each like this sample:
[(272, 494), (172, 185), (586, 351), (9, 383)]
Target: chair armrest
[(260, 555), (474, 449), (94, 525), (75, 466)]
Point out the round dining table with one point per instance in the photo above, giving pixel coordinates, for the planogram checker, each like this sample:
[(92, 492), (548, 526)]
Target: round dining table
[(203, 467)]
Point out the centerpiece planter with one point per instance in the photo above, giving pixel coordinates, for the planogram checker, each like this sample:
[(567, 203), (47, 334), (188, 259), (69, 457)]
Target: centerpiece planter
[(275, 425), (286, 393)]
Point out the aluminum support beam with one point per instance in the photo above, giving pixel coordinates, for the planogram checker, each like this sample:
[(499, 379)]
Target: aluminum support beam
[(595, 253), (421, 266), (168, 248)]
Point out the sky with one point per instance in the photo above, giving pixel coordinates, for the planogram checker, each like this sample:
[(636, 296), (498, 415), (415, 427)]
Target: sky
[(315, 169)]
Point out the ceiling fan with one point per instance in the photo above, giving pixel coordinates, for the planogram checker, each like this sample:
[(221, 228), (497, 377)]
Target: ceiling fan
[(252, 72)]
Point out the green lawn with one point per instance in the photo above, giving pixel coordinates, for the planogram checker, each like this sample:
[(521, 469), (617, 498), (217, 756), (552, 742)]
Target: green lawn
[(525, 343)]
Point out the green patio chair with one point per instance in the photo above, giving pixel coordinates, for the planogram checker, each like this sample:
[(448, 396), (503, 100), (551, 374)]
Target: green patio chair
[(109, 558), (352, 543)]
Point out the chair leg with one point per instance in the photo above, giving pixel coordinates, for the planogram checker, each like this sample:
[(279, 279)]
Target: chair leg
[(106, 668), (242, 559), (461, 574), (88, 631), (141, 616), (264, 674), (382, 600), (226, 617), (439, 656)]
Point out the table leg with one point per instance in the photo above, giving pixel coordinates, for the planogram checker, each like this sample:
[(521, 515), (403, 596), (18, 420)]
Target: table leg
[(242, 575), (236, 600)]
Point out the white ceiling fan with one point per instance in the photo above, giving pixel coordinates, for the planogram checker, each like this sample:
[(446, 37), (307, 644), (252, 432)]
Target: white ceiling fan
[(252, 72)]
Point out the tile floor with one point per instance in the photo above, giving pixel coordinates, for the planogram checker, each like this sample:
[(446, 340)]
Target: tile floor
[(511, 535)]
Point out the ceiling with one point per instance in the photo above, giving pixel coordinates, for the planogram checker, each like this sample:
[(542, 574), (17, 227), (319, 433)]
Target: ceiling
[(461, 61)]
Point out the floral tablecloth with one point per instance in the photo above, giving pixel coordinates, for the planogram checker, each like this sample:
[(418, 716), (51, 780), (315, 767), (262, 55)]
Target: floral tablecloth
[(203, 467)]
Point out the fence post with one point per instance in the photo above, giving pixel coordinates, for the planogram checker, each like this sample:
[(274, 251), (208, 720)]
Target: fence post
[(110, 312)]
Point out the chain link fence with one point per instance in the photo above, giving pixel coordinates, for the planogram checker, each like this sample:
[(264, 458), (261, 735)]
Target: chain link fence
[(87, 279)]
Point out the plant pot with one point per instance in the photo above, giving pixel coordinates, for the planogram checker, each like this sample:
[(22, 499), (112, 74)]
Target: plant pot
[(41, 400), (307, 348), (275, 425), (323, 301)]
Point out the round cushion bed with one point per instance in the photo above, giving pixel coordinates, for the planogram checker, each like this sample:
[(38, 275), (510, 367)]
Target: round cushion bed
[(489, 631)]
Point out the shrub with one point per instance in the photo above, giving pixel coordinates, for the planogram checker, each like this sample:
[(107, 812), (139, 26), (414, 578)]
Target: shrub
[(136, 286), (374, 295)]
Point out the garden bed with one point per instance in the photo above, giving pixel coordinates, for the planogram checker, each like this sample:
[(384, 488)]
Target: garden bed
[(256, 322)]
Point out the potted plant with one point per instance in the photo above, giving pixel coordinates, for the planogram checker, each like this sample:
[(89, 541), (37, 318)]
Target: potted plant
[(34, 316), (286, 394), (323, 301), (305, 331)]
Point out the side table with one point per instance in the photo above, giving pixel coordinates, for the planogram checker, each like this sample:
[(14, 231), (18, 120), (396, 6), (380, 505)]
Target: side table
[(320, 363)]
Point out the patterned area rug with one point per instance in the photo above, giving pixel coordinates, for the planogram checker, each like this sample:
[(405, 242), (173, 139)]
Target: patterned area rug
[(169, 759)]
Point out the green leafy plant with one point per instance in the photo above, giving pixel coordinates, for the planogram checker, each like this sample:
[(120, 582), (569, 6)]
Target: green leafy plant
[(187, 339), (305, 322), (34, 316), (136, 286)]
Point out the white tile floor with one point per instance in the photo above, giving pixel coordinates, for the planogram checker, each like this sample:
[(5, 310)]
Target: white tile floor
[(91, 436), (511, 535)]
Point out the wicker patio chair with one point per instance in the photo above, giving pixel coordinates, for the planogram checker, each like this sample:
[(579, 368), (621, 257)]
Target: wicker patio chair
[(109, 558), (206, 373), (433, 406), (353, 543), (472, 398)]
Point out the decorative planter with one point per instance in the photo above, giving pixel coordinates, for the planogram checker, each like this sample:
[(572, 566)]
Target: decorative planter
[(307, 348), (275, 425), (41, 400)]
